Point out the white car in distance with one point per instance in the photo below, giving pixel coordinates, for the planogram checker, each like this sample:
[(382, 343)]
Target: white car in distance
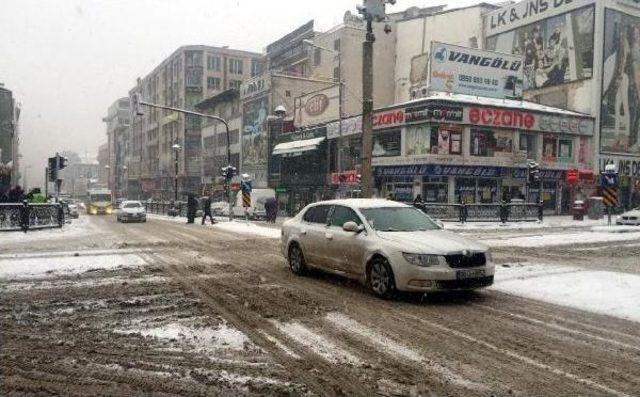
[(132, 211), (630, 218), (389, 246)]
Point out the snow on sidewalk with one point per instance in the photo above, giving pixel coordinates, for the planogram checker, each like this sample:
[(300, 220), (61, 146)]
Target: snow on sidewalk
[(556, 239), (601, 292), (547, 223), (48, 266), (77, 227), (235, 226)]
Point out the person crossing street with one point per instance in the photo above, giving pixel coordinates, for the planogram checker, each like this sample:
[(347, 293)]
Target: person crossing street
[(206, 210)]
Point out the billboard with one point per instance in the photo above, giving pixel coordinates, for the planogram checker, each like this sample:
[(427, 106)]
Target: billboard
[(620, 105), (255, 142), (470, 71), (556, 50), (318, 107)]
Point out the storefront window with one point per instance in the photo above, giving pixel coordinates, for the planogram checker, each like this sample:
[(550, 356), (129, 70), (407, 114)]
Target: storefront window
[(565, 151), (435, 189), (549, 148), (387, 144), (528, 144), (419, 139), (488, 191), (466, 190), (486, 143)]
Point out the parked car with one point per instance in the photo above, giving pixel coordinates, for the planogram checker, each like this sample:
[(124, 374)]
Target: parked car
[(389, 246), (629, 218), (73, 211), (132, 211), (220, 208), (256, 211)]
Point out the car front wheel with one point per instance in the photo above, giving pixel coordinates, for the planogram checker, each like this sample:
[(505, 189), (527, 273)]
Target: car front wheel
[(296, 260), (380, 278)]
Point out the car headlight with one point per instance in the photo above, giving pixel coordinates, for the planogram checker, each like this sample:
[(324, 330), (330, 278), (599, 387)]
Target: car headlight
[(423, 260)]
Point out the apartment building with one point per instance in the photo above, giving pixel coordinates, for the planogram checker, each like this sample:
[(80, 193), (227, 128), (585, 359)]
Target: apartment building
[(188, 76), (9, 140), (118, 121)]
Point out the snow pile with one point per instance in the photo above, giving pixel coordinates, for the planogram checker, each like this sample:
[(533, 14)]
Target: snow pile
[(77, 227), (616, 229), (198, 337), (51, 265), (248, 228), (555, 239), (548, 222), (602, 292)]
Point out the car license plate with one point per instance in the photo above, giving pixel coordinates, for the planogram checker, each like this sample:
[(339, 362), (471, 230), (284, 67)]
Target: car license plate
[(472, 273)]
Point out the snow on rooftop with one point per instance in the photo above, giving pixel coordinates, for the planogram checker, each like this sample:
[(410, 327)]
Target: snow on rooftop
[(504, 103)]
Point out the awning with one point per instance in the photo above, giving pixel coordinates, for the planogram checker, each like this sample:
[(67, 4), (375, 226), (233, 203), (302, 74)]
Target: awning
[(296, 148)]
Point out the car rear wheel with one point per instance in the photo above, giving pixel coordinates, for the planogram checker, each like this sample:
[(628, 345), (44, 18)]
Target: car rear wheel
[(380, 277), (296, 260)]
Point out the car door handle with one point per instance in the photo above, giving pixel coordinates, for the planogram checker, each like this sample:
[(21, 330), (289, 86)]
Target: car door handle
[(329, 236)]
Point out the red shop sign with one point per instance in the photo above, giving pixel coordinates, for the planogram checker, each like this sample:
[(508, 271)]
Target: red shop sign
[(348, 177), (388, 118), (502, 118)]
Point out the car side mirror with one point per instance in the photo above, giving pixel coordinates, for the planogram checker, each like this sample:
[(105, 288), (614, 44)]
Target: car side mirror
[(440, 223), (352, 227)]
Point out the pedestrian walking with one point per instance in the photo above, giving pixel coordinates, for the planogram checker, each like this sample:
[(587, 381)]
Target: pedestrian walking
[(206, 210), (271, 208), (192, 205)]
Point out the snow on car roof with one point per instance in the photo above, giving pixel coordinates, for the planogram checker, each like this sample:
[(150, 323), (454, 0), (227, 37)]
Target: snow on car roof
[(364, 203)]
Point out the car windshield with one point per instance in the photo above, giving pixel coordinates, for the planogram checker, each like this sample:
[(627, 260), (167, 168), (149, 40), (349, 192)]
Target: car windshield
[(398, 219), (100, 197), (132, 205)]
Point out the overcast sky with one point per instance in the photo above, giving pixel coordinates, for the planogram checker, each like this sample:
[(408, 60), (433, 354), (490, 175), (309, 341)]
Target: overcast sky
[(67, 60)]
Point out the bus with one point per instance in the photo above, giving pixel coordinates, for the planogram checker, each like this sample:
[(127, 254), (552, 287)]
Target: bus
[(99, 202)]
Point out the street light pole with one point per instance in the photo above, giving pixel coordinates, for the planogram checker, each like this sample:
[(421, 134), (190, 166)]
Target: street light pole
[(367, 111), (371, 10), (176, 148)]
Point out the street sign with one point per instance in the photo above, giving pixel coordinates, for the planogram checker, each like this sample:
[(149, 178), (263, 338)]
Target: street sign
[(246, 199), (610, 196)]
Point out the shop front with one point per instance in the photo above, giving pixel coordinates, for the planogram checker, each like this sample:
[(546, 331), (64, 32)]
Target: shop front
[(456, 148), (303, 168)]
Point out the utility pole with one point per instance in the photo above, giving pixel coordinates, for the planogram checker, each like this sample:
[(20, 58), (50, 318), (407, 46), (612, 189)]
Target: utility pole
[(371, 10)]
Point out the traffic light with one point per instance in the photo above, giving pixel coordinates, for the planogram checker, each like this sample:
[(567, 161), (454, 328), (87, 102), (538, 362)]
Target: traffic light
[(136, 105), (62, 163), (53, 169), (374, 9), (533, 171), (228, 172)]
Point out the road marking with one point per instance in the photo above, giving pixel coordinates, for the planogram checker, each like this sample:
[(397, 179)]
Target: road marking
[(317, 343), (388, 345), (520, 357), (559, 327)]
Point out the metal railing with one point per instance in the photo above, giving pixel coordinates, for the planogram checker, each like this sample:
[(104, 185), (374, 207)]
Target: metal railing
[(502, 212), (166, 208), (25, 216)]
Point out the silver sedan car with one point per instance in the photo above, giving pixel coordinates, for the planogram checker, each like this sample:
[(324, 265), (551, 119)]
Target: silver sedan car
[(387, 245)]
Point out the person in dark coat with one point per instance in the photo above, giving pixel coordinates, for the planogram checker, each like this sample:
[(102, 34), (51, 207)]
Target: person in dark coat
[(271, 207), (192, 206), (16, 195), (206, 210)]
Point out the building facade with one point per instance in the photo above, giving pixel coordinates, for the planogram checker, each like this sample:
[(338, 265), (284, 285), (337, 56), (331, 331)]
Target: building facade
[(581, 55), (189, 75), (118, 121), (9, 140), (80, 175), (214, 138)]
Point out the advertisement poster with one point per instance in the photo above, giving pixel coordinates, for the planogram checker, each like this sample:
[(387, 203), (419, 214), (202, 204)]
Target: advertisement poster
[(620, 111), (556, 50), (549, 148), (471, 71), (418, 140), (255, 143)]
